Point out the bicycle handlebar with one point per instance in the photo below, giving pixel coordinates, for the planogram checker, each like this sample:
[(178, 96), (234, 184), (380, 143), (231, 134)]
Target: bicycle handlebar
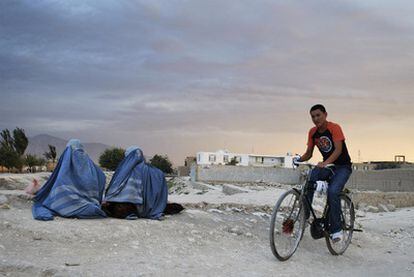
[(312, 165)]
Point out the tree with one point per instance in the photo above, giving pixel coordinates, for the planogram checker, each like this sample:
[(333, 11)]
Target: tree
[(32, 161), (162, 162), (51, 154), (7, 139), (20, 141), (13, 147), (9, 158), (233, 161), (111, 158)]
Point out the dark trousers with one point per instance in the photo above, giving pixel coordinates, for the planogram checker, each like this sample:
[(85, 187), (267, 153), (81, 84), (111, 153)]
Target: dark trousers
[(337, 178)]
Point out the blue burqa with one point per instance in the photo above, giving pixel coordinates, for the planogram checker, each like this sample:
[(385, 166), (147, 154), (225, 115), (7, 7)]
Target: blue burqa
[(75, 188), (139, 183)]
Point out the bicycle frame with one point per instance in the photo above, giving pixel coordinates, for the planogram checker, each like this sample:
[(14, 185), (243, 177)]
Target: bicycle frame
[(302, 193)]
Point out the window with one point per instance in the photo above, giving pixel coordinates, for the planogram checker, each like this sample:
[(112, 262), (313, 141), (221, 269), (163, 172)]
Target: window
[(259, 160), (212, 158), (225, 158)]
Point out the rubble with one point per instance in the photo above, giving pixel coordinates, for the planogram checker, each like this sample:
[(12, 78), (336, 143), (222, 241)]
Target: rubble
[(231, 189), (371, 209), (218, 235)]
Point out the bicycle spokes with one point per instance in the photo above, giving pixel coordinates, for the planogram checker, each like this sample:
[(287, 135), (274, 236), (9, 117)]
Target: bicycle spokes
[(287, 226)]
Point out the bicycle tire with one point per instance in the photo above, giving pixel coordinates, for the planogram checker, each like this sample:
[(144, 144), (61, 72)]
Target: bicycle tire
[(301, 221), (347, 227)]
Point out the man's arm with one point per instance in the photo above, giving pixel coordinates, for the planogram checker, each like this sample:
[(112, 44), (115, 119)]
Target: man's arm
[(335, 154), (308, 154)]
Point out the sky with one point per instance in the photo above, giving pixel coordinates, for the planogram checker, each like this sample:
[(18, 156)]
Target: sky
[(178, 77)]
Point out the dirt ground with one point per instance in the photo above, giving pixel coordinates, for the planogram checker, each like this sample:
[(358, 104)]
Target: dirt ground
[(209, 242)]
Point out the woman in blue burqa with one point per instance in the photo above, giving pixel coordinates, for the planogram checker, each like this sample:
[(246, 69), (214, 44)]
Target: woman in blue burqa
[(137, 189), (75, 188)]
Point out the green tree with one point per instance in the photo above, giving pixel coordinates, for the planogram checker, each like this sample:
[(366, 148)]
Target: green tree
[(233, 161), (20, 141), (7, 139), (32, 160), (162, 162), (12, 148), (111, 158), (9, 158), (51, 154)]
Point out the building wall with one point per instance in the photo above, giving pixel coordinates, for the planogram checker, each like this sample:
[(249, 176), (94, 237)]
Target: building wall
[(203, 158), (212, 173), (222, 158), (383, 180), (390, 180), (183, 171)]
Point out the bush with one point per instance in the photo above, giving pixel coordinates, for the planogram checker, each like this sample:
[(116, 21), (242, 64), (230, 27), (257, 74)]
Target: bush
[(233, 161), (162, 163), (111, 158), (51, 154), (32, 161)]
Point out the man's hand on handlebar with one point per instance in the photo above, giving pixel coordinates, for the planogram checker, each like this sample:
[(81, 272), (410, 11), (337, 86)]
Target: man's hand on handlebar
[(321, 164), (296, 161)]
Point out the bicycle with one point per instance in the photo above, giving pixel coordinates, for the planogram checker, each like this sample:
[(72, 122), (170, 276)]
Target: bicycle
[(288, 220)]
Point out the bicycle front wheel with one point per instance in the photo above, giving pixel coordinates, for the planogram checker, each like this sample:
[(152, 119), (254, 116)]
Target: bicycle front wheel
[(286, 225), (347, 221)]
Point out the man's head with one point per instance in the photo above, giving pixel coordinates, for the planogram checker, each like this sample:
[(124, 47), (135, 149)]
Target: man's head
[(318, 114)]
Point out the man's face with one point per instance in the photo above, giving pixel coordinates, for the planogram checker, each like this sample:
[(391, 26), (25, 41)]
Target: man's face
[(318, 117)]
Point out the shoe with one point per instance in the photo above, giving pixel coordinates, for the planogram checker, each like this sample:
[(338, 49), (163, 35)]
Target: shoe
[(336, 237)]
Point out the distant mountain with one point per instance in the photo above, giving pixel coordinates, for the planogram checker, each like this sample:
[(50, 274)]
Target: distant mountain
[(39, 145)]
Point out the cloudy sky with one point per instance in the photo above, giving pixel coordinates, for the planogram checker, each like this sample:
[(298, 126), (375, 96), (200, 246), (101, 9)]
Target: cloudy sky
[(177, 77)]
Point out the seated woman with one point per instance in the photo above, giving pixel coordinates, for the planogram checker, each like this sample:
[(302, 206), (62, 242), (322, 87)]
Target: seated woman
[(137, 189), (75, 188)]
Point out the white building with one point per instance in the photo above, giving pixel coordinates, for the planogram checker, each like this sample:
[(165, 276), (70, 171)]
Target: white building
[(223, 157)]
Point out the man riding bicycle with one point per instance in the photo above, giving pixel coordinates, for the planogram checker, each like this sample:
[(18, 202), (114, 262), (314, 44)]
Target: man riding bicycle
[(330, 140)]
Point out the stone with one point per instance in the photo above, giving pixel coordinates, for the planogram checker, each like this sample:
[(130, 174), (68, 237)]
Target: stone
[(391, 207), (230, 189), (72, 264), (382, 208), (236, 231), (3, 200), (215, 211), (360, 213), (371, 209), (362, 206), (5, 207)]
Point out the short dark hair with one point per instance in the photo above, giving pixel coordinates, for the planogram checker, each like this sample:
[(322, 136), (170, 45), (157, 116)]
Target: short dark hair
[(318, 107)]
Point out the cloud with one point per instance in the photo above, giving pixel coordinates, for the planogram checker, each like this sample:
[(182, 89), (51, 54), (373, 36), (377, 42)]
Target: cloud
[(118, 72)]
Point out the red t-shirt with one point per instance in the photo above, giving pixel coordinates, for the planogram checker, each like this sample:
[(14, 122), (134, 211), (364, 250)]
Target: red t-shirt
[(325, 142)]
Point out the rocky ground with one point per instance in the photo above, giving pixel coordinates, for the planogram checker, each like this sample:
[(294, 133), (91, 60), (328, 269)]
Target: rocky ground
[(223, 232)]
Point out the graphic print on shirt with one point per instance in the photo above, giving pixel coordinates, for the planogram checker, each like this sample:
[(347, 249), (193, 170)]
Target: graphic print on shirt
[(324, 144)]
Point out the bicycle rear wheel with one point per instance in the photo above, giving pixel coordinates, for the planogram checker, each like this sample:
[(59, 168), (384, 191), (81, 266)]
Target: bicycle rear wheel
[(287, 225), (347, 220)]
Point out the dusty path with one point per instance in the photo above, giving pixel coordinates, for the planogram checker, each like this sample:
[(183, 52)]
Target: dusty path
[(194, 243), (228, 237)]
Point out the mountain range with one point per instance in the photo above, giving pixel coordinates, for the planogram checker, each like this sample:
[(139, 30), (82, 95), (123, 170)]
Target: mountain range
[(39, 145)]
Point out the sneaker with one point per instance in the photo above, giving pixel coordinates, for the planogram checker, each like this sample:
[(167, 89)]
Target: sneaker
[(336, 237)]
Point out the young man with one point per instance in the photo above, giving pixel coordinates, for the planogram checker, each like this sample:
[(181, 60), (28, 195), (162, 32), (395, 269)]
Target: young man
[(330, 140)]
